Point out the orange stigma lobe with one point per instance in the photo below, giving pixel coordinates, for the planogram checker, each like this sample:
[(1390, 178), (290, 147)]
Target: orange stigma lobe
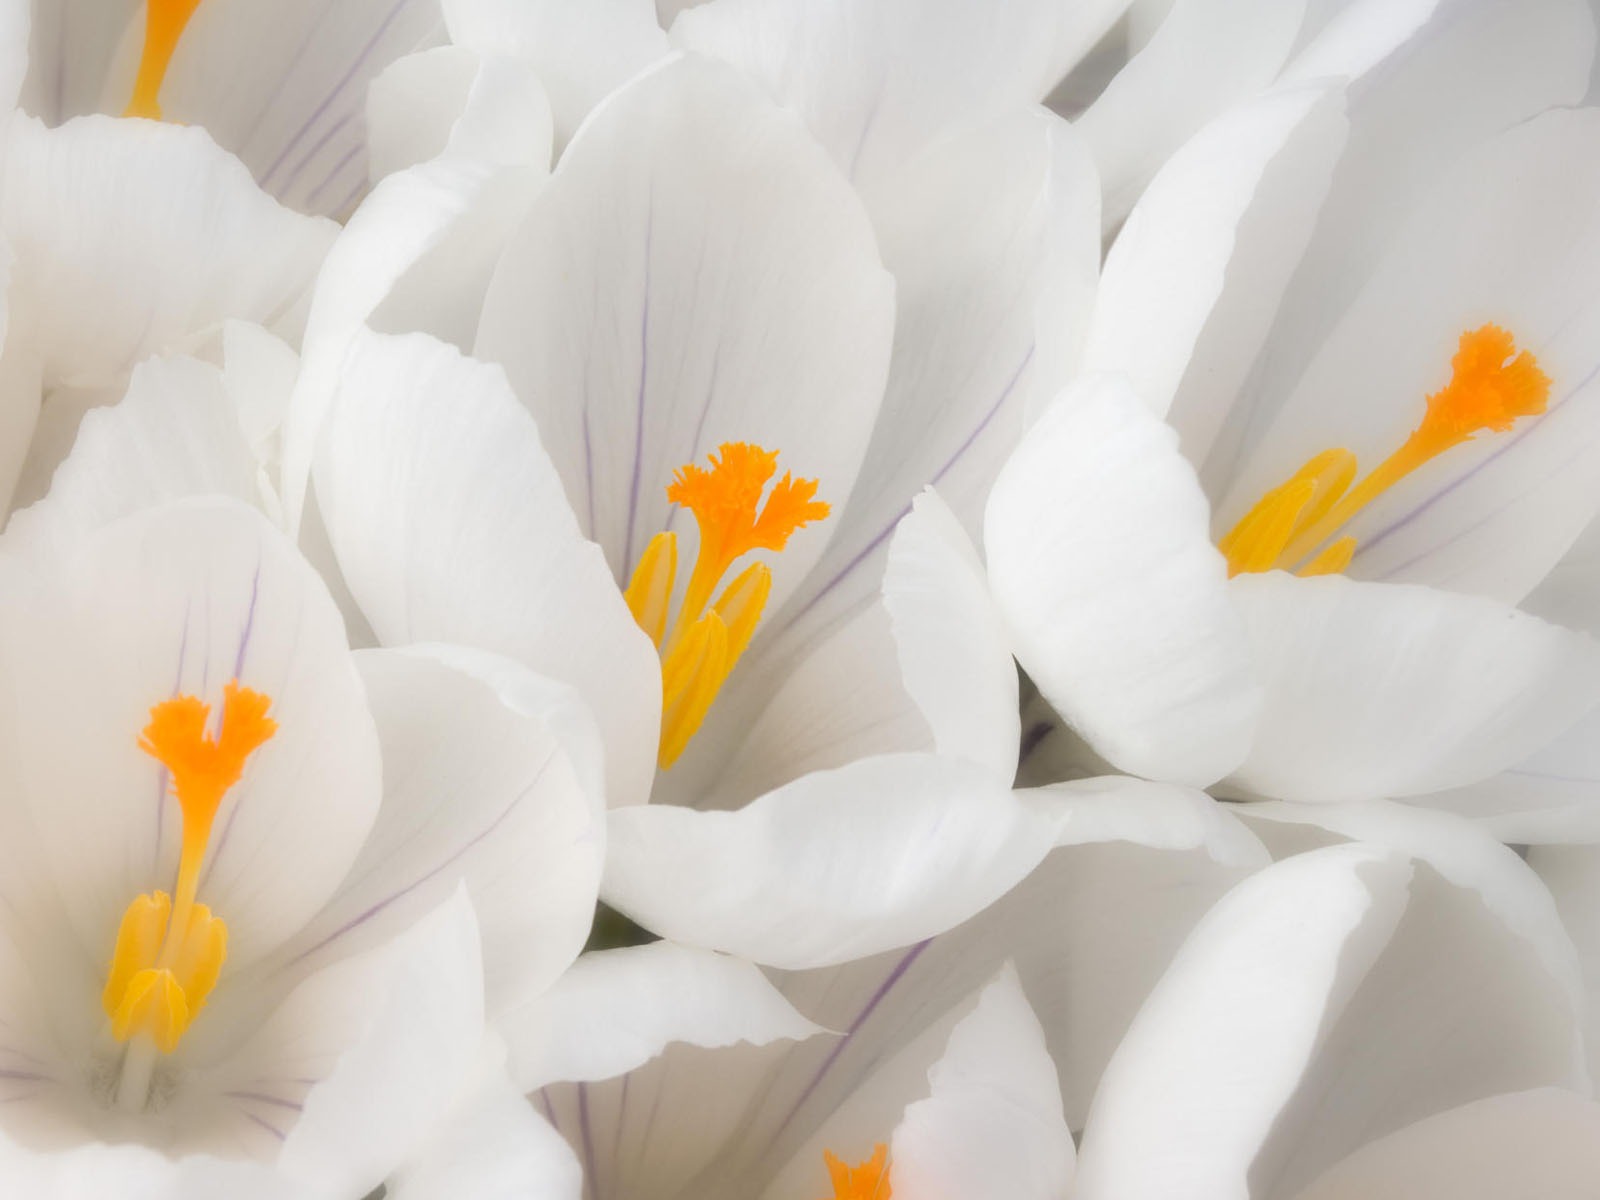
[(867, 1181), (1297, 526), (708, 637), (164, 23), (169, 949)]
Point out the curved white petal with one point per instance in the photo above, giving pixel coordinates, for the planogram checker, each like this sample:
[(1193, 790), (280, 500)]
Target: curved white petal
[(1205, 56), (282, 85), (1540, 1143), (181, 599), (991, 235), (877, 83), (1101, 561), (452, 100), (833, 866), (1168, 268), (1551, 796), (141, 1172), (1394, 690), (450, 525), (582, 52), (953, 647), (406, 217), (615, 1010), (992, 1127), (176, 433), (1220, 1045), (683, 298), (478, 792), (1572, 873), (133, 237), (392, 1038), (495, 1147)]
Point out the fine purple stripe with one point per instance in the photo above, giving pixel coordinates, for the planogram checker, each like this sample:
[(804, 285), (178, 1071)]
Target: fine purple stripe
[(644, 373), (333, 174), (375, 909), (263, 1098), (322, 108), (310, 155), (592, 1184), (938, 475), (270, 1128), (894, 977)]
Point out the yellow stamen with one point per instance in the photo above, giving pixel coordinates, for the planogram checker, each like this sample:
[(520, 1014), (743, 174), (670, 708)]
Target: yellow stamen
[(164, 23), (867, 1181), (1492, 385), (169, 951), (703, 645)]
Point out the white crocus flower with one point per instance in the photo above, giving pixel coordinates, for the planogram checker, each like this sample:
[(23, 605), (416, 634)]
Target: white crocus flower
[(1396, 306), (1345, 1025), (282, 85), (262, 895)]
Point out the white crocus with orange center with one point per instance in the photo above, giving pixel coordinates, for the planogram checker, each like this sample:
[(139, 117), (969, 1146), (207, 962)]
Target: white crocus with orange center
[(1385, 381), (264, 899)]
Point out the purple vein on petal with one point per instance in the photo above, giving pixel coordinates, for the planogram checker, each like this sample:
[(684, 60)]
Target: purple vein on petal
[(877, 998), (644, 376)]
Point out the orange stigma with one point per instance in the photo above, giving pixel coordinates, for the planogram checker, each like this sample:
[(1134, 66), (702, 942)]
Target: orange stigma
[(703, 646), (169, 949), (1296, 526), (868, 1181), (164, 23)]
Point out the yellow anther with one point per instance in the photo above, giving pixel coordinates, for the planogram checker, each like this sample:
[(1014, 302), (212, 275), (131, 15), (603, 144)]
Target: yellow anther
[(152, 1004), (867, 1181), (169, 949), (649, 593), (707, 639), (164, 23), (1491, 386)]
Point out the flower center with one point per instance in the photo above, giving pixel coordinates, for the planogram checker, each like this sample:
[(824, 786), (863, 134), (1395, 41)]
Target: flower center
[(867, 1181), (1290, 527), (164, 23), (170, 949), (705, 643)]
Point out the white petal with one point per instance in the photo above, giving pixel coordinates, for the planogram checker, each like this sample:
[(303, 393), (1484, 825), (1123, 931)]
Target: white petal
[(15, 30), (450, 526), (954, 650), (615, 1010), (1572, 873), (837, 865), (683, 299), (1393, 690), (1542, 1143), (1553, 795), (141, 1173), (133, 237), (495, 1147), (282, 86), (1570, 593), (416, 1007), (174, 434), (1165, 273), (875, 84), (1220, 1045), (1206, 56), (1140, 864), (407, 216), (1101, 560), (479, 792), (1493, 516), (992, 1128), (181, 599), (451, 100), (992, 237), (582, 52)]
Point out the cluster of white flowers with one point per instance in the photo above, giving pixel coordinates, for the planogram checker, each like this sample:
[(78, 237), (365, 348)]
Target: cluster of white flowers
[(799, 600)]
